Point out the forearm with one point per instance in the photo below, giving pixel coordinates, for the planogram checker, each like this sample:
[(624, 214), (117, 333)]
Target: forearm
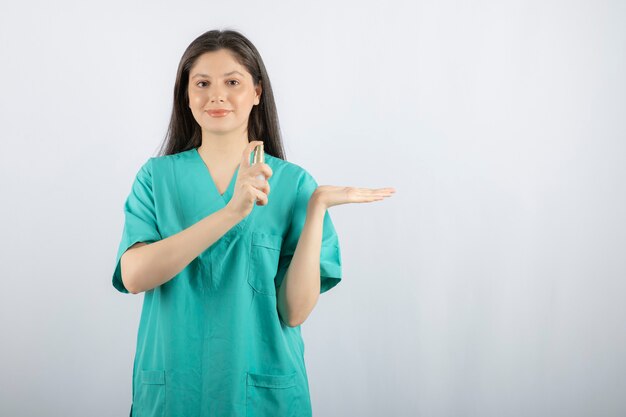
[(146, 267), (300, 288)]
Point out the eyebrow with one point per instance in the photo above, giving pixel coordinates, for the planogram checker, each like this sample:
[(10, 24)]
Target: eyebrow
[(225, 75)]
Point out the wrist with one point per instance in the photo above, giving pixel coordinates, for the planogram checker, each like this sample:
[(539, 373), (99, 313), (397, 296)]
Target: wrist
[(232, 215), (316, 204)]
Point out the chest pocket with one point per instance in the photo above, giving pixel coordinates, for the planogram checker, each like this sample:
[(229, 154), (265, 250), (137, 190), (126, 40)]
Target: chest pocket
[(264, 254)]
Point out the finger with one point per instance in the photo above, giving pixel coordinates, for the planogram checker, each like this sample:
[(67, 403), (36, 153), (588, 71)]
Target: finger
[(245, 158), (369, 195), (383, 190), (253, 194), (378, 192), (261, 184), (261, 169), (368, 199), (261, 198)]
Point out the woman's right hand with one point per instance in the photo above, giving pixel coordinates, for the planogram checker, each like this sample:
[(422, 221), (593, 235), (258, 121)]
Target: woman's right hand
[(248, 188)]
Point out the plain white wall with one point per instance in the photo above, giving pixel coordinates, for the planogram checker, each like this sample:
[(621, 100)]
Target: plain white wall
[(491, 284)]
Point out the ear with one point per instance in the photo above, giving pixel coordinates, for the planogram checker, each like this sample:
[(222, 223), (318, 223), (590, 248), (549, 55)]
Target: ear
[(258, 90)]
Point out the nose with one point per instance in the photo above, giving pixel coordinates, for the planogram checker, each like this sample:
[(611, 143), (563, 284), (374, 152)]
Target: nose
[(215, 94)]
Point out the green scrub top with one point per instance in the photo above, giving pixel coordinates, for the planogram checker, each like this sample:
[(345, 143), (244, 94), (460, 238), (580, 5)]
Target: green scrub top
[(210, 340)]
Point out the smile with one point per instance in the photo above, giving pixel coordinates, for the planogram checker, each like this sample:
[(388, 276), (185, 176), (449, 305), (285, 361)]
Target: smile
[(220, 113)]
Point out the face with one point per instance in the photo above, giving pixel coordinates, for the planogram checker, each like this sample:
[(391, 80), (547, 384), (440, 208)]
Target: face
[(218, 81)]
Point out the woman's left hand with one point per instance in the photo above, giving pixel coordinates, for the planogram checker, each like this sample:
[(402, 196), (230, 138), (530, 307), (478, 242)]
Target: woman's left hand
[(331, 195)]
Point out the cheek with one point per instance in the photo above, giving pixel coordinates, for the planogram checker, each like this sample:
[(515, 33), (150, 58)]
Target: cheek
[(243, 99), (193, 98)]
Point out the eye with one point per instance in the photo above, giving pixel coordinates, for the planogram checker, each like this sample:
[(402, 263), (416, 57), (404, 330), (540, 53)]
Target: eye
[(204, 82)]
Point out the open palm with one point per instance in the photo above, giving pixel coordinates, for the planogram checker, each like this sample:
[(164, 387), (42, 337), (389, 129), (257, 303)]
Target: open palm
[(332, 195)]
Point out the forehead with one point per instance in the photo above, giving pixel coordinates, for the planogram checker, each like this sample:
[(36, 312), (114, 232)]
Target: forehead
[(217, 64)]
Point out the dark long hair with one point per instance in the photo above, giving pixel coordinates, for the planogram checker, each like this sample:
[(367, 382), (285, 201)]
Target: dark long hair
[(184, 133)]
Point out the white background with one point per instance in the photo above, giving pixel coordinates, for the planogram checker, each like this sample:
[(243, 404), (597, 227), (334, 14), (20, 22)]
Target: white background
[(491, 284)]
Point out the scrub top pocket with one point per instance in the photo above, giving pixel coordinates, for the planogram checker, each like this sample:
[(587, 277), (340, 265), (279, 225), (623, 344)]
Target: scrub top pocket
[(149, 398), (274, 395), (263, 266)]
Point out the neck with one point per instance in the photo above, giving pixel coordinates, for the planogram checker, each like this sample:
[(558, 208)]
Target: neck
[(226, 148)]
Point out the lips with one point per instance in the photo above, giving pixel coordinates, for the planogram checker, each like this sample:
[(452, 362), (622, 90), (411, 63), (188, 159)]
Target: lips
[(216, 113)]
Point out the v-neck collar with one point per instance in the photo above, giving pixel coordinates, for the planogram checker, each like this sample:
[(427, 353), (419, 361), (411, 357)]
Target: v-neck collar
[(229, 190)]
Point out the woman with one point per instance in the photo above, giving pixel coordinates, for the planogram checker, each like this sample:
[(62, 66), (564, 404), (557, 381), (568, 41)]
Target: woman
[(228, 273)]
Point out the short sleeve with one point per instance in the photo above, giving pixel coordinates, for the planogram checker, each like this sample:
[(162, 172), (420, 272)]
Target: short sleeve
[(140, 223), (330, 255)]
